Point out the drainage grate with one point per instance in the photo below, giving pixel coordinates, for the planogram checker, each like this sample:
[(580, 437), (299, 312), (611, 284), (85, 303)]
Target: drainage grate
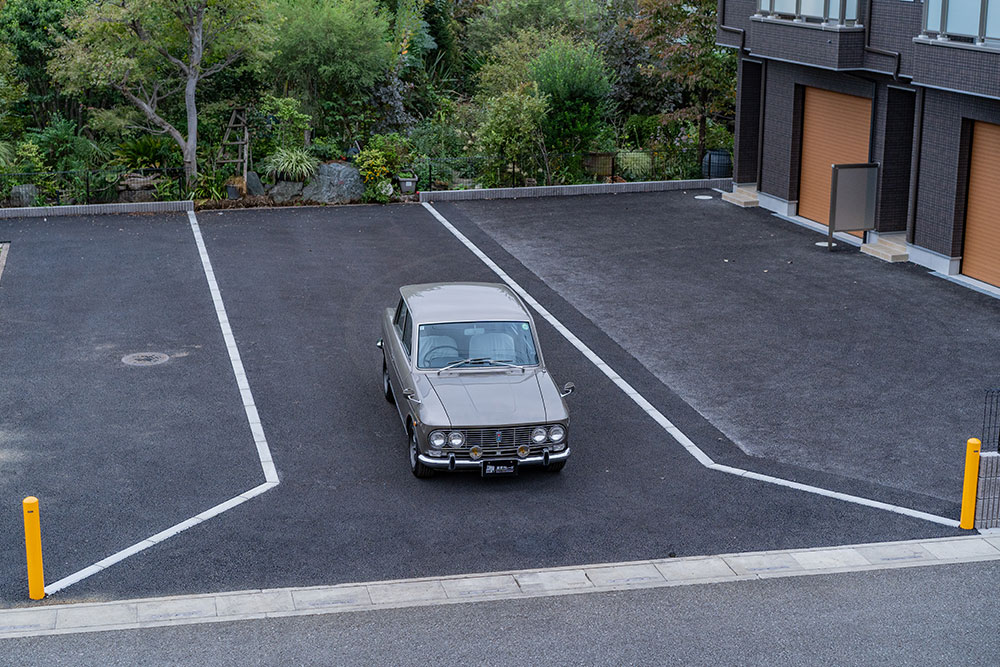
[(145, 359)]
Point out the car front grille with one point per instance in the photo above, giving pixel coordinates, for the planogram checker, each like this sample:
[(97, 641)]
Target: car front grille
[(510, 439)]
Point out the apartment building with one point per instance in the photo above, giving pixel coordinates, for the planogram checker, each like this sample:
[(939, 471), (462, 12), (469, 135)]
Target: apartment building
[(913, 86)]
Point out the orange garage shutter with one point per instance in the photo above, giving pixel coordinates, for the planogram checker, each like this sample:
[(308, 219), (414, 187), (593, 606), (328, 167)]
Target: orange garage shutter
[(835, 130), (981, 254)]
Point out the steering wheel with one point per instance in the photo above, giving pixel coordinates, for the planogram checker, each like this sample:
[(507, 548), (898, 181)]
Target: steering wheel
[(430, 353)]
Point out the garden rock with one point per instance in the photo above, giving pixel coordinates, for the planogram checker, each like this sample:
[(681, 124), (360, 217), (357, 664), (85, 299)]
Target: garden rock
[(23, 195), (133, 196), (254, 186), (334, 183), (284, 192)]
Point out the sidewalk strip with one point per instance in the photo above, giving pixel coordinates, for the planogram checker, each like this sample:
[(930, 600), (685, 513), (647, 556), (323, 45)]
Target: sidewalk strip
[(678, 435), (253, 419), (513, 585)]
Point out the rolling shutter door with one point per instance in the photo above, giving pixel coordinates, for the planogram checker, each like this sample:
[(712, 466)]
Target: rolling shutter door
[(981, 252), (835, 130)]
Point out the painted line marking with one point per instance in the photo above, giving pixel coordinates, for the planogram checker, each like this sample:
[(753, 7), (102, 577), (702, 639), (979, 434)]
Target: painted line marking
[(485, 587), (4, 251), (253, 419), (674, 432)]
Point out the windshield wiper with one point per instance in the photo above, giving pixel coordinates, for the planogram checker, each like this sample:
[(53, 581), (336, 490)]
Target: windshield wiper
[(479, 360)]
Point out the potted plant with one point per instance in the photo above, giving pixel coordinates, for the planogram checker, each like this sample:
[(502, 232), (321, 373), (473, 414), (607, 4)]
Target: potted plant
[(236, 187), (407, 182)]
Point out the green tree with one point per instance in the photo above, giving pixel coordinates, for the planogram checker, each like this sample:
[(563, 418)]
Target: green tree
[(32, 29), (576, 83), (502, 19), (508, 63), (680, 35), (511, 129), (333, 54), (151, 50), (12, 91)]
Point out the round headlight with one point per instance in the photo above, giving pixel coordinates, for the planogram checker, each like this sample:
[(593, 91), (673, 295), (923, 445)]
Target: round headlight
[(557, 433), (475, 452), (438, 439), (523, 451), (456, 438), (538, 435)]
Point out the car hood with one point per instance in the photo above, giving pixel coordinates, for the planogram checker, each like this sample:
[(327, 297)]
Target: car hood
[(491, 399)]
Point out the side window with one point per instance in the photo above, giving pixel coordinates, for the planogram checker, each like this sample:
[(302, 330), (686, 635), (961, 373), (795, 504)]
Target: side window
[(407, 331), (400, 309)]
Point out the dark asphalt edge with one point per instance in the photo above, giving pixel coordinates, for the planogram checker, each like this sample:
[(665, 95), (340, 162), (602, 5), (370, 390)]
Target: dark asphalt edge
[(702, 432)]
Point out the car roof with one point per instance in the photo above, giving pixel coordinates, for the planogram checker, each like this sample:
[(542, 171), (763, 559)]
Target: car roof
[(462, 302)]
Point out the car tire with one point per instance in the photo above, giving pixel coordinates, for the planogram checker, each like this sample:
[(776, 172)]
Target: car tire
[(416, 467), (386, 387), (555, 467)]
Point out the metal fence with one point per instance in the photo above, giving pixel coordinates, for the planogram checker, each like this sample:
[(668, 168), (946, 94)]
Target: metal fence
[(991, 421), (473, 172), (92, 186)]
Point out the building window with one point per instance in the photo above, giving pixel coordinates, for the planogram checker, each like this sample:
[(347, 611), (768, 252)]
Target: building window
[(976, 21), (836, 12)]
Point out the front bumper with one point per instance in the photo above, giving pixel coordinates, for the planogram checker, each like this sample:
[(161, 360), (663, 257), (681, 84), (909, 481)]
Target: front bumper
[(451, 463)]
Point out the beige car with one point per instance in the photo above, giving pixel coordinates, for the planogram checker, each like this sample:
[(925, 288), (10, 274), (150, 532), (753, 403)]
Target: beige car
[(462, 364)]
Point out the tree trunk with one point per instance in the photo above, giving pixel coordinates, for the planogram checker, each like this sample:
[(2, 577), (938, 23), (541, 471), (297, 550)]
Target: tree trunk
[(191, 145)]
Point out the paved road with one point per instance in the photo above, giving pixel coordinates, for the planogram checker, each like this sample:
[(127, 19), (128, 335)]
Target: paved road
[(834, 362), (918, 616)]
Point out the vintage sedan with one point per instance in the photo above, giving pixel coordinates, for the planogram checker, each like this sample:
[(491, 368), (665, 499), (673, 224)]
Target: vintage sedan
[(462, 364)]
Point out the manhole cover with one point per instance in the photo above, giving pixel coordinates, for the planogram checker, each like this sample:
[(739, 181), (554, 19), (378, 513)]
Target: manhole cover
[(703, 196), (144, 359), (824, 244)]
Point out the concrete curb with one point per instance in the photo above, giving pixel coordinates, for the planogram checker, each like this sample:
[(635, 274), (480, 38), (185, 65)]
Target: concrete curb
[(570, 190), (510, 585), (95, 209)]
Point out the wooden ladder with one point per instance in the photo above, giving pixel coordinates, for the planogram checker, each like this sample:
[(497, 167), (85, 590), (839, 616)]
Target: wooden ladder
[(238, 135)]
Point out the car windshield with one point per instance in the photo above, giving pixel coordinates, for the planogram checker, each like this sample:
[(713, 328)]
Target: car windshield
[(475, 345)]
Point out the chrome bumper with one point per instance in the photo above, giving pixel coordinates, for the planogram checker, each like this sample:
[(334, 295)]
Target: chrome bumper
[(446, 463)]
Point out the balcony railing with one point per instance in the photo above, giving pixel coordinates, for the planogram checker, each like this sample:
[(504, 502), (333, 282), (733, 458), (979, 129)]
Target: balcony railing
[(831, 12), (976, 21)]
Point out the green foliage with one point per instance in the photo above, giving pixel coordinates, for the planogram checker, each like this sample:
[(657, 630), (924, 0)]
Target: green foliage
[(62, 147), (290, 164), (332, 55), (276, 123), (147, 152), (641, 131), (325, 149), (508, 64), (384, 157), (511, 129), (576, 83), (634, 165), (8, 154), (501, 19), (12, 91), (28, 158), (32, 29)]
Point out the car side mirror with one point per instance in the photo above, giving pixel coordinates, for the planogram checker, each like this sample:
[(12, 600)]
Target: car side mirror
[(411, 395), (568, 389), (378, 343)]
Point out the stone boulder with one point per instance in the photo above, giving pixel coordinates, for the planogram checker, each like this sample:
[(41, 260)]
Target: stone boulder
[(284, 192), (334, 183), (254, 186), (23, 195)]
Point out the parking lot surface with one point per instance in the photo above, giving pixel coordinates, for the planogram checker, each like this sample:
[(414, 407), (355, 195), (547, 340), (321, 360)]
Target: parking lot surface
[(117, 453), (834, 362)]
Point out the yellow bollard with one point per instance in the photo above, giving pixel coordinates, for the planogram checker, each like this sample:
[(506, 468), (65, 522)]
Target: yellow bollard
[(33, 547), (968, 519)]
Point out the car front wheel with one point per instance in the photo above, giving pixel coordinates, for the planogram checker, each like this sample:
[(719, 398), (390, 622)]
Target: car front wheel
[(416, 467), (386, 387)]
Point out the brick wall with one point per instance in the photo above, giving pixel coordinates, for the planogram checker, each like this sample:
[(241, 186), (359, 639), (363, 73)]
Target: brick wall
[(747, 122)]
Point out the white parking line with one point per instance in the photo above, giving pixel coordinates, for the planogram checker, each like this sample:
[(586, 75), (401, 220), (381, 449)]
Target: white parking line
[(678, 435), (253, 419)]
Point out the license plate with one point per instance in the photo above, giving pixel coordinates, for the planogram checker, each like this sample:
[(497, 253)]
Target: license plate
[(499, 468)]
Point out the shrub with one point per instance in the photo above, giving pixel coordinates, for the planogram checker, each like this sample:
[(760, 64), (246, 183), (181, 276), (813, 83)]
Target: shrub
[(375, 172), (634, 165), (278, 123), (147, 152), (574, 79), (511, 130), (500, 20), (290, 164)]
